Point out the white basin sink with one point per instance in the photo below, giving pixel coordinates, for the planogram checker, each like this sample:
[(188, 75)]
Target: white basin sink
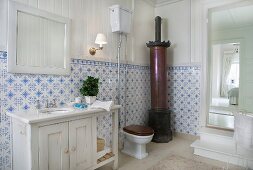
[(56, 110)]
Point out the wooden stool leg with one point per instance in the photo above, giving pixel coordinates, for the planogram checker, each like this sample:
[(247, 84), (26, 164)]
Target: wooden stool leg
[(115, 138)]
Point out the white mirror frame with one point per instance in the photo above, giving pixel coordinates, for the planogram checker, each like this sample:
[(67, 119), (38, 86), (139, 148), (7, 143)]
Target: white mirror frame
[(199, 45), (14, 8)]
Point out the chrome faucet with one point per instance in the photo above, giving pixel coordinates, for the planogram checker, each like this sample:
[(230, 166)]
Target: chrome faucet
[(51, 104), (38, 105)]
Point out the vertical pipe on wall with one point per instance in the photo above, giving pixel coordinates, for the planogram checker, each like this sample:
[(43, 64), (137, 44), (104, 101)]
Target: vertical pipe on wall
[(118, 71), (118, 66), (125, 74)]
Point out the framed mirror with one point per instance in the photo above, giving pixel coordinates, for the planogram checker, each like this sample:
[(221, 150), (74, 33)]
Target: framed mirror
[(230, 58), (38, 41)]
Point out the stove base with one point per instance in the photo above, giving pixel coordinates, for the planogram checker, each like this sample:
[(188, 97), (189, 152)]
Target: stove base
[(159, 120)]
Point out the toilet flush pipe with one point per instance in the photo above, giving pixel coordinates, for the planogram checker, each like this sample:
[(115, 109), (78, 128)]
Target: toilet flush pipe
[(118, 62), (119, 75)]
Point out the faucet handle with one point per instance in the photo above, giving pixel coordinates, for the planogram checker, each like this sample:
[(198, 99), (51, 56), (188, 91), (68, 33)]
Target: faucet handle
[(47, 104), (54, 102)]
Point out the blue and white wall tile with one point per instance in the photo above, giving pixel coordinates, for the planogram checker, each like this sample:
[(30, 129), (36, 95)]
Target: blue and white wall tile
[(137, 97), (184, 98), (20, 92)]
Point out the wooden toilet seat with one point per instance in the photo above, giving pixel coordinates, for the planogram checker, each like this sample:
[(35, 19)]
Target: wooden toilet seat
[(139, 130)]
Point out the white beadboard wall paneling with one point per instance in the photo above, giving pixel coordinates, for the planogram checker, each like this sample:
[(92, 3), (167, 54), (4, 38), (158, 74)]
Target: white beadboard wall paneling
[(49, 6), (79, 22), (48, 34), (151, 2), (59, 7), (3, 25), (22, 1), (33, 3), (165, 2), (144, 31), (94, 25), (157, 3), (99, 21), (89, 17), (176, 27)]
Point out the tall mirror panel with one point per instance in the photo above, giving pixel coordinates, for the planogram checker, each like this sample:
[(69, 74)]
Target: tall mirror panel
[(230, 63)]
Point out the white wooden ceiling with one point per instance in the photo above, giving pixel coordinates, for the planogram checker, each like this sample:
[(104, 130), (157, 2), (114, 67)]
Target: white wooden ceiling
[(232, 18)]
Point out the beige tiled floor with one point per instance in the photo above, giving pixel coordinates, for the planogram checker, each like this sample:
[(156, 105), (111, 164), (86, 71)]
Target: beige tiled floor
[(179, 146)]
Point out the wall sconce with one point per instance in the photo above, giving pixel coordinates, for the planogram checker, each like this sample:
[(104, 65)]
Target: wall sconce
[(100, 39)]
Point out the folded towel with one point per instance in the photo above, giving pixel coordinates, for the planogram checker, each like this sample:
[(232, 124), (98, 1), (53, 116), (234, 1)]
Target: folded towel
[(80, 106), (102, 105)]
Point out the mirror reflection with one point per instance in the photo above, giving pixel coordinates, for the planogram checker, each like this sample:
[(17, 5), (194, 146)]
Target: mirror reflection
[(230, 63), (225, 74)]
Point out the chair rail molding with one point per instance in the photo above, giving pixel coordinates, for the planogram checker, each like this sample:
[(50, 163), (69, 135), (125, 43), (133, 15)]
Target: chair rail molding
[(199, 43)]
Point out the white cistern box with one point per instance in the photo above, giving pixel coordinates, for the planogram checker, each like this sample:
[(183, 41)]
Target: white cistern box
[(121, 19)]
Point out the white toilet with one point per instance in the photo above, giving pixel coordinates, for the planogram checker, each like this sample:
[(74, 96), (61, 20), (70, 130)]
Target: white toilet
[(136, 139)]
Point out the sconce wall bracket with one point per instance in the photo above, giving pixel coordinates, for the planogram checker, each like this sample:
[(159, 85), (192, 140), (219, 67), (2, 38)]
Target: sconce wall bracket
[(93, 50)]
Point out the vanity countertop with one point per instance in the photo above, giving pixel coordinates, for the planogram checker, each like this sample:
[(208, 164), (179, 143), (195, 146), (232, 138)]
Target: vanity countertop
[(32, 116)]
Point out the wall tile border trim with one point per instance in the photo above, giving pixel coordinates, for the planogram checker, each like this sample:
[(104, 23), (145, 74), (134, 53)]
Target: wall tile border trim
[(107, 64), (183, 68), (3, 55)]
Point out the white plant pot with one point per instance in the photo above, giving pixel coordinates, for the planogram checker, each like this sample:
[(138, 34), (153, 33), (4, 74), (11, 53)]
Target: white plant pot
[(90, 99)]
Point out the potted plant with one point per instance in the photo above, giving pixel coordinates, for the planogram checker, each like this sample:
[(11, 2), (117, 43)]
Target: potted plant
[(90, 89)]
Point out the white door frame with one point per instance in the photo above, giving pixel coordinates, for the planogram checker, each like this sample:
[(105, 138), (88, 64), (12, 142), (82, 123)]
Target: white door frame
[(199, 44)]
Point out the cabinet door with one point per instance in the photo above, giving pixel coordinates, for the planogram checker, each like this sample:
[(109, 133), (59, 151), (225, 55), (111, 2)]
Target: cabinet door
[(53, 147), (80, 144)]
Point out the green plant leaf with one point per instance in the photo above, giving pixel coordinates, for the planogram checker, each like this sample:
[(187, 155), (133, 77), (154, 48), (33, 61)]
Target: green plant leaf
[(90, 86)]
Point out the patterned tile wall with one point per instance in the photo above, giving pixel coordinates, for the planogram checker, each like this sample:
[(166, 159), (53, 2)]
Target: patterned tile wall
[(184, 98), (20, 92)]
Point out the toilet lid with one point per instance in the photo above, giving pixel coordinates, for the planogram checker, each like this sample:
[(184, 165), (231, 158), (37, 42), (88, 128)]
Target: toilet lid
[(139, 130)]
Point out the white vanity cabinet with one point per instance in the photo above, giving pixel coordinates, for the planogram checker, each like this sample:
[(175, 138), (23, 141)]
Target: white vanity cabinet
[(80, 144), (66, 145), (53, 147), (59, 141)]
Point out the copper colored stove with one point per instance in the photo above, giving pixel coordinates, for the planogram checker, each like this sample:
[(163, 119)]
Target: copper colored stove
[(159, 115)]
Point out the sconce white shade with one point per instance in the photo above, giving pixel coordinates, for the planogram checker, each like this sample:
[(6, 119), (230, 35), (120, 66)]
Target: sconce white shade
[(100, 39)]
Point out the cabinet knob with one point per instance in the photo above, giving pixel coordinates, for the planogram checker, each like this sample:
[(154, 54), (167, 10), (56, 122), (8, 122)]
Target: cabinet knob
[(73, 149), (66, 151)]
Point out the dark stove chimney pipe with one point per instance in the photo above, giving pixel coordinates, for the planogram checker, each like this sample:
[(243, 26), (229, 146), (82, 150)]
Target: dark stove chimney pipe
[(158, 23)]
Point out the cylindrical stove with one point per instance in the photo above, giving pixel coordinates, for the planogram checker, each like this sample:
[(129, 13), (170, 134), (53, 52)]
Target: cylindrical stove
[(159, 115)]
